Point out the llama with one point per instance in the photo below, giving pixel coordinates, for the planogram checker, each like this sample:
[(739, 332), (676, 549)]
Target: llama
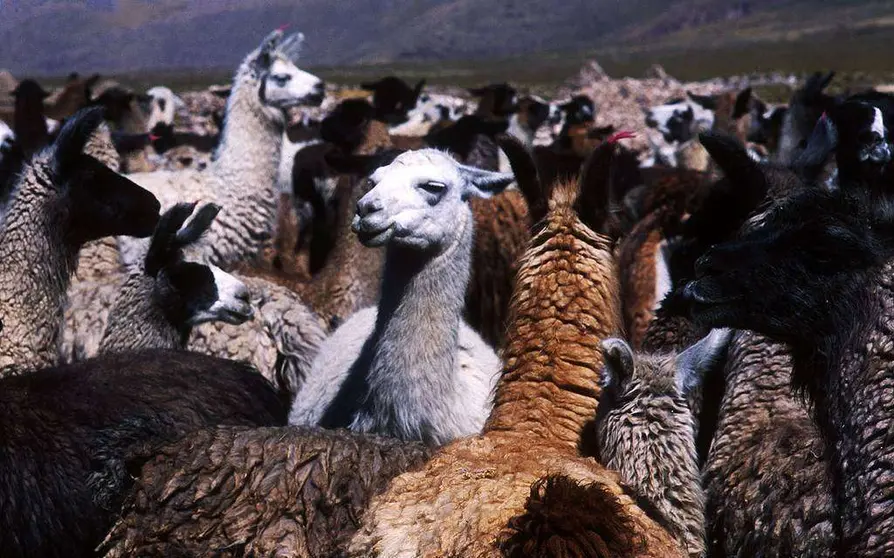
[(432, 110), (471, 139), (366, 374), (814, 273), (646, 430), (30, 123), (805, 107), (855, 131), (164, 105), (158, 307), (72, 97), (67, 433), (62, 200), (470, 498), (496, 100), (266, 83), (680, 120), (393, 99)]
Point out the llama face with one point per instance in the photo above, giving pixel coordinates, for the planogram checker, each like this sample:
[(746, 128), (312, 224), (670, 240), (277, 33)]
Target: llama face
[(284, 86), (419, 201), (677, 121), (210, 294), (784, 277), (163, 104), (871, 136), (578, 110)]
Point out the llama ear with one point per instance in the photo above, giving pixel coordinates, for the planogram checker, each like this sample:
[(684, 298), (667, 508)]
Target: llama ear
[(164, 239), (618, 358), (483, 183), (732, 158), (199, 223), (268, 45), (526, 175), (693, 363), (705, 101), (69, 145), (291, 46), (105, 203), (743, 102), (820, 145), (418, 89)]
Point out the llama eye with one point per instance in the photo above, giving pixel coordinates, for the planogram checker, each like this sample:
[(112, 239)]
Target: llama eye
[(281, 79), (436, 188)]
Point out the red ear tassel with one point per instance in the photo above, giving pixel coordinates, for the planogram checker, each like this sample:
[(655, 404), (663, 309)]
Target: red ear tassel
[(153, 137), (284, 26), (622, 135)]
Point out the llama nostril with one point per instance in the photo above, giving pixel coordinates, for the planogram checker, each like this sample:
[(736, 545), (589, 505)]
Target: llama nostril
[(702, 266), (365, 207)]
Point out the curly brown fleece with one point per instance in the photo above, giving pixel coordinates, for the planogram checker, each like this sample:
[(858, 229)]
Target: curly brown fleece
[(286, 491)]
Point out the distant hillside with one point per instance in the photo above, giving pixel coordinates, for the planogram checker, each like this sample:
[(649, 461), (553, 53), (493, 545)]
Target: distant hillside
[(57, 36)]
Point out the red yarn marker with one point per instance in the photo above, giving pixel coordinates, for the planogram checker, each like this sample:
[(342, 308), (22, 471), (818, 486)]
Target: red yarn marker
[(622, 135)]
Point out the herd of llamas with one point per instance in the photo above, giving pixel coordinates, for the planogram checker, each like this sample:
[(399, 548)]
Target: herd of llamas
[(399, 322)]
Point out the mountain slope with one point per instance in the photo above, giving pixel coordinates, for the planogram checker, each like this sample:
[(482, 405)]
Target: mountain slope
[(55, 36)]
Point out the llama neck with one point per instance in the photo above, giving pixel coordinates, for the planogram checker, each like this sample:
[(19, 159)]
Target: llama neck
[(855, 413), (414, 344), (245, 165), (564, 303), (36, 264), (662, 469), (137, 321)]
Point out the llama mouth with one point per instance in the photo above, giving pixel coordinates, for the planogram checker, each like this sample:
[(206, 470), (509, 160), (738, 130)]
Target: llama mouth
[(703, 292), (371, 235), (313, 100), (237, 316), (374, 238)]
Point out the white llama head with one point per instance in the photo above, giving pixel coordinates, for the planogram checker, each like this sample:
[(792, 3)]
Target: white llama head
[(282, 83), (420, 200)]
